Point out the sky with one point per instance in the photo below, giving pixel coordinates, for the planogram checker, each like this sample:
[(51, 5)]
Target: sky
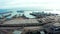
[(31, 4), (54, 4)]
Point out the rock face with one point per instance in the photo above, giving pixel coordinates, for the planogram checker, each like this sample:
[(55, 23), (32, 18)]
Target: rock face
[(47, 21), (50, 19), (2, 19), (53, 28), (36, 22), (21, 21)]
